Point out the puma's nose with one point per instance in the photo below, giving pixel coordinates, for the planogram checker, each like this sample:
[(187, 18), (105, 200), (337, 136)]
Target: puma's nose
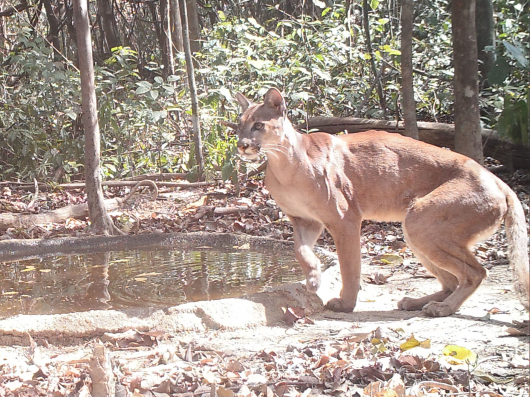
[(243, 144)]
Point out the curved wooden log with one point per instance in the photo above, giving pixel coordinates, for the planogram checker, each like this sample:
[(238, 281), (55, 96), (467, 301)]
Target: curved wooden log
[(513, 156), (77, 211)]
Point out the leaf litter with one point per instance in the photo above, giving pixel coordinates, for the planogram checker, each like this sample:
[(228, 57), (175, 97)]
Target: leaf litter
[(383, 362), (377, 363)]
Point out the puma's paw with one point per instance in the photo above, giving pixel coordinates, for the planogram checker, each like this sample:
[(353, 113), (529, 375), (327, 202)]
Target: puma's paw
[(339, 305), (313, 281), (437, 309), (409, 304)]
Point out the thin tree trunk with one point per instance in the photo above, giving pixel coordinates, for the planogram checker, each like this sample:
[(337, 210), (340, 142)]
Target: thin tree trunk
[(53, 32), (485, 27), (379, 86), (110, 29), (194, 27), (468, 136), (100, 220), (407, 84), (176, 25), (197, 139), (160, 31), (168, 42)]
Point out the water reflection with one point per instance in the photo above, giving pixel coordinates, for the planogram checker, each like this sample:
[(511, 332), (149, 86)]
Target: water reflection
[(71, 283)]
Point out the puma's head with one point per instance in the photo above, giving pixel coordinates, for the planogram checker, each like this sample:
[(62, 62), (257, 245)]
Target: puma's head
[(261, 125)]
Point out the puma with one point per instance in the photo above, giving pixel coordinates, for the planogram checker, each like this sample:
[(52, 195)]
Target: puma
[(445, 201)]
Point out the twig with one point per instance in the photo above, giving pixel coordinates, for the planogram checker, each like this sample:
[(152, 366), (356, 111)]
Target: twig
[(230, 125), (369, 92), (260, 169), (32, 202), (138, 185), (439, 385)]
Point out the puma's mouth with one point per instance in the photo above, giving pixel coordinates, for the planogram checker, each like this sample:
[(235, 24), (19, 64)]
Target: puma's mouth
[(250, 153)]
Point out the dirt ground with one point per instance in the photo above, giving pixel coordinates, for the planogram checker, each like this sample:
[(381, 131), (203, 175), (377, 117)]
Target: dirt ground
[(248, 346)]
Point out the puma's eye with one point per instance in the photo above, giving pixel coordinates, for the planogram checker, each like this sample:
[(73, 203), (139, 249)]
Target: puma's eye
[(258, 126)]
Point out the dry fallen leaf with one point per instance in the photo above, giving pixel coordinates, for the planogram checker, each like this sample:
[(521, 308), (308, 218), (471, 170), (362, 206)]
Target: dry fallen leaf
[(292, 314), (222, 392), (459, 355), (199, 203), (413, 342)]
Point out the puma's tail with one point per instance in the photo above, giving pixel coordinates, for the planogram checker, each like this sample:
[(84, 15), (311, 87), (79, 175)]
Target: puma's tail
[(517, 235)]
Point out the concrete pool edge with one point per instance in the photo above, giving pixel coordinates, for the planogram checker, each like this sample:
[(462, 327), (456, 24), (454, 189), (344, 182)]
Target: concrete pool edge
[(264, 308), (21, 249)]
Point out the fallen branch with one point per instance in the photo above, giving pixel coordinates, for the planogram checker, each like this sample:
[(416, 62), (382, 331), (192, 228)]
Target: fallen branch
[(166, 176), (76, 211), (81, 185), (204, 210)]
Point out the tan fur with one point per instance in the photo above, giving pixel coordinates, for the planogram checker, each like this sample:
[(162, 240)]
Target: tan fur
[(445, 201)]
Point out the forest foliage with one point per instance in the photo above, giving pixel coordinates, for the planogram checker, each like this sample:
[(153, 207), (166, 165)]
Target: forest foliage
[(315, 52)]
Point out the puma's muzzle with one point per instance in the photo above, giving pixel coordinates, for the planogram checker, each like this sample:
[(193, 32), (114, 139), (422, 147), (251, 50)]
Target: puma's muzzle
[(248, 148)]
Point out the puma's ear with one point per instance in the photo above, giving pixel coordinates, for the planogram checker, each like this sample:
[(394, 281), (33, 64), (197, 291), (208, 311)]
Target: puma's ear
[(274, 99), (243, 102)]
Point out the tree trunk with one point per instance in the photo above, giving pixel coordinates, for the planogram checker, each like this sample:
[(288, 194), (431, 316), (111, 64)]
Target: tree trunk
[(379, 86), (407, 83), (176, 25), (100, 220), (197, 139), (160, 32), (110, 29), (53, 32), (194, 27), (485, 27), (468, 138), (168, 42)]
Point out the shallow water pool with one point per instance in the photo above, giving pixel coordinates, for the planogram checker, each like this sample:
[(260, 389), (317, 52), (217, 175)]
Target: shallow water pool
[(140, 278)]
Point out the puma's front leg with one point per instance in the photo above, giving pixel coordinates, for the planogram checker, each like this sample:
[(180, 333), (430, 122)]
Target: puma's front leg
[(306, 233), (348, 244)]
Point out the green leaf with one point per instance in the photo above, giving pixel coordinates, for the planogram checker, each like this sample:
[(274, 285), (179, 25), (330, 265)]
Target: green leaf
[(390, 50), (374, 4), (499, 72), (70, 113), (226, 93), (254, 23), (226, 171), (142, 90), (258, 64), (517, 54), (154, 94)]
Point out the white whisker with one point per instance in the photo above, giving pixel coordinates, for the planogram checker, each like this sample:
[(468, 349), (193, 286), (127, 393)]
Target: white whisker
[(275, 147), (271, 152)]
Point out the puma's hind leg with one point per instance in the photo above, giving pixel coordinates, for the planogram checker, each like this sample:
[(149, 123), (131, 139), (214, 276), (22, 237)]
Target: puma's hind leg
[(448, 281), (443, 248)]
